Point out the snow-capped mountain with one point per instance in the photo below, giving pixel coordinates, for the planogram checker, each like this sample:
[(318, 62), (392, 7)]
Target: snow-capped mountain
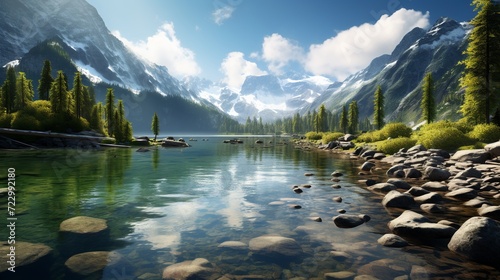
[(265, 96), (437, 50)]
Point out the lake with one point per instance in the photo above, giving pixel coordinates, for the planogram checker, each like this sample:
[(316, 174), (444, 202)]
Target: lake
[(169, 205)]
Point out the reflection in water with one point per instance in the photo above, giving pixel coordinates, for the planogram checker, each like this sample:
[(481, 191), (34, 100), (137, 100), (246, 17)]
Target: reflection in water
[(170, 205)]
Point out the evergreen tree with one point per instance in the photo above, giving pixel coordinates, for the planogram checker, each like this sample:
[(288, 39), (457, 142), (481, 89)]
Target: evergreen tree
[(109, 109), (78, 95), (378, 113), (155, 125), (322, 119), (58, 94), (296, 123), (95, 121), (343, 119), (353, 117), (24, 92), (117, 127), (428, 105), (9, 90), (482, 62), (45, 81)]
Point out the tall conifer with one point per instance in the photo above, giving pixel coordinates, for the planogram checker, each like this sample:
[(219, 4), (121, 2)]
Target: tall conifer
[(45, 81), (378, 112)]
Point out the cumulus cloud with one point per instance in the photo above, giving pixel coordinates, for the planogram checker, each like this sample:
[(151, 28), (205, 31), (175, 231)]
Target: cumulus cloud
[(222, 14), (236, 68), (164, 48), (278, 51), (353, 49)]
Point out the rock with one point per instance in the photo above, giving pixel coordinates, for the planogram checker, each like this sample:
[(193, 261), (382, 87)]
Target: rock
[(478, 239), (368, 154), (83, 225), (26, 255), (385, 268), (237, 245), (392, 240), (199, 268), (370, 182), (316, 219), (417, 191), (429, 198), (367, 166), (337, 199), (297, 190), (432, 208), (308, 174), (416, 149), (477, 202), (349, 221), (414, 225), (490, 212), (379, 156), (400, 184), (398, 167), (85, 264), (294, 206), (474, 156), (275, 244), (382, 187), (398, 200), (435, 186), (412, 173), (419, 273), (336, 174), (462, 194), (339, 275), (436, 174), (493, 149), (470, 172)]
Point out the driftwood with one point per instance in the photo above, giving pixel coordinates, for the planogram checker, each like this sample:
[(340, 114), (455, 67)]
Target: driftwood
[(50, 134)]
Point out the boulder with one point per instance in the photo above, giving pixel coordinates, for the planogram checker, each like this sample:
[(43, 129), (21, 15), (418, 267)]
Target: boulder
[(414, 225), (469, 172), (417, 191), (415, 149), (339, 275), (382, 187), (237, 245), (85, 264), (462, 194), (398, 167), (26, 254), (385, 268), (490, 212), (478, 239), (275, 244), (199, 268), (398, 200), (83, 225), (412, 173), (431, 197), (349, 221), (436, 174), (400, 184), (474, 156), (435, 186), (432, 208), (367, 166), (493, 149), (392, 240)]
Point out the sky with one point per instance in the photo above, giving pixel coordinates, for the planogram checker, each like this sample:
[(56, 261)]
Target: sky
[(227, 40)]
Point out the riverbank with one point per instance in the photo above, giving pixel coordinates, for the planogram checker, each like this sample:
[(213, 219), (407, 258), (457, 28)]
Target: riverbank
[(449, 201)]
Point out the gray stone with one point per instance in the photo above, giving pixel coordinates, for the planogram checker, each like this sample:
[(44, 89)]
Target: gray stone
[(398, 167), (339, 275), (432, 208), (493, 149), (392, 240), (382, 187), (436, 174), (490, 212), (416, 149), (349, 220), (400, 184), (238, 245), (478, 239), (83, 225), (469, 172), (474, 156), (434, 186), (26, 254), (414, 225), (462, 194), (477, 202), (85, 264), (398, 200), (412, 173), (275, 244), (429, 198), (199, 268), (385, 268), (417, 191), (367, 166)]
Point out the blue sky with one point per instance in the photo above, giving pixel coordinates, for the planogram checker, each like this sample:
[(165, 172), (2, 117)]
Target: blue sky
[(228, 40)]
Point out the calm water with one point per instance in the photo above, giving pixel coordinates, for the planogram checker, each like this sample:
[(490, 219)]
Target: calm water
[(171, 204)]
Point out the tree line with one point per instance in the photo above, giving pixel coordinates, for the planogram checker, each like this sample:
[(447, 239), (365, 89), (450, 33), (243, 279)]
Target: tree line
[(59, 108)]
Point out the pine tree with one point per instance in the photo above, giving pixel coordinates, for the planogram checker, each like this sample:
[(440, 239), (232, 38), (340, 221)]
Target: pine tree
[(78, 94), (378, 113), (95, 121), (428, 105), (296, 123), (58, 94), (24, 92), (343, 119), (482, 62), (155, 125), (353, 117), (9, 90), (109, 109), (322, 122), (45, 81)]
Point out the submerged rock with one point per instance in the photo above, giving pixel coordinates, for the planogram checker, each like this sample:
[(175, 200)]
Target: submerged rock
[(275, 244), (392, 240), (83, 225), (414, 225), (350, 221), (26, 254), (85, 264), (199, 268)]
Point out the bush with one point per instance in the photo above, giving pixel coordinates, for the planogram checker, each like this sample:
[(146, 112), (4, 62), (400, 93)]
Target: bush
[(486, 133), (447, 138), (395, 130), (463, 126), (5, 120), (311, 135), (67, 124), (331, 136), (42, 111), (392, 146), (371, 136), (21, 120)]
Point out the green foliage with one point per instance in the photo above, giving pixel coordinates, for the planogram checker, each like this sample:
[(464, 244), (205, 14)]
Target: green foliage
[(24, 92), (331, 136), (428, 105), (312, 135), (353, 117), (58, 94), (155, 125), (461, 125), (109, 109), (5, 120), (45, 81), (344, 119), (378, 111), (486, 133), (41, 110), (447, 138), (21, 120), (391, 130), (65, 122), (391, 146)]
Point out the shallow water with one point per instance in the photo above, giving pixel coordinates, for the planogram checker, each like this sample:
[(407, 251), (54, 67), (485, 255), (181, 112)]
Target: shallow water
[(174, 204)]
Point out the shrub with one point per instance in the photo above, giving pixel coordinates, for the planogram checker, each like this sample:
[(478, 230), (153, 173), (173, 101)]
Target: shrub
[(371, 136), (463, 126), (63, 122), (395, 130), (311, 135), (21, 120), (486, 133), (42, 111), (447, 138), (391, 146), (331, 136), (5, 120)]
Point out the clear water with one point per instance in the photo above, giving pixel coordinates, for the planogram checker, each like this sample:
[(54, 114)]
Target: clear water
[(174, 204)]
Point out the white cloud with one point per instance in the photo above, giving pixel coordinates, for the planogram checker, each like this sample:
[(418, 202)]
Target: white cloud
[(236, 68), (164, 48), (222, 14), (278, 51), (353, 49)]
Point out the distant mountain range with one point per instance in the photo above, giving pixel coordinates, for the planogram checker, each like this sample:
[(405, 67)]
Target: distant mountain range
[(74, 37)]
